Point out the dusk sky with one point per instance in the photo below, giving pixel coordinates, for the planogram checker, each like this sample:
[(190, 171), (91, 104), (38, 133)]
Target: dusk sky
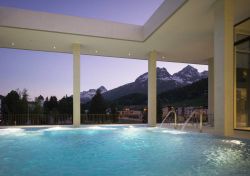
[(51, 73), (125, 11)]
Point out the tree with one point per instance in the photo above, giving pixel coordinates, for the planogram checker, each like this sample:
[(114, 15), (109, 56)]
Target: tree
[(1, 103), (45, 106), (24, 100), (38, 109), (159, 110), (11, 102), (24, 95), (65, 105), (97, 104), (51, 105), (39, 99), (14, 103)]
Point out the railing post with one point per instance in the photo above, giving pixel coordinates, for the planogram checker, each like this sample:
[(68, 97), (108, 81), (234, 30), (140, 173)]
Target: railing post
[(201, 114), (175, 120)]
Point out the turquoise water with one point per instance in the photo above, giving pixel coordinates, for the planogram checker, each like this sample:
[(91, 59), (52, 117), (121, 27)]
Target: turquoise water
[(119, 151)]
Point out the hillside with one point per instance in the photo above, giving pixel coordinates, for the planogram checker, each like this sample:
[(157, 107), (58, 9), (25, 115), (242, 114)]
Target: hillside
[(165, 82), (132, 99), (194, 94)]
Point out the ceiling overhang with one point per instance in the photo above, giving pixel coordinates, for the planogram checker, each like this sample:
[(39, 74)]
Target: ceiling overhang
[(27, 19), (183, 34)]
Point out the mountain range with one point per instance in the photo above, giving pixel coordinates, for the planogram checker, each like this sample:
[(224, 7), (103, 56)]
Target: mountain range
[(165, 82), (86, 96)]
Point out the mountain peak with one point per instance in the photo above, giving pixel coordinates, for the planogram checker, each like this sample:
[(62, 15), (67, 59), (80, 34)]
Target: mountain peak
[(86, 96), (142, 78), (204, 74), (161, 70), (162, 74), (189, 70), (102, 89), (187, 75), (189, 67)]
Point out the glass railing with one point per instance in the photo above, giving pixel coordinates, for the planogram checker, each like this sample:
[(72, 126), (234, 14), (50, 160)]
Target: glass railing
[(35, 119), (65, 119)]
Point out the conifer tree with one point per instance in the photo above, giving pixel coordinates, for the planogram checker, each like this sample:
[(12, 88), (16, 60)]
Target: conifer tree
[(97, 104)]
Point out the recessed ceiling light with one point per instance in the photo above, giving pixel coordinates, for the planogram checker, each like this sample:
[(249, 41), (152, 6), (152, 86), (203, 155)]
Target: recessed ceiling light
[(12, 44), (54, 47)]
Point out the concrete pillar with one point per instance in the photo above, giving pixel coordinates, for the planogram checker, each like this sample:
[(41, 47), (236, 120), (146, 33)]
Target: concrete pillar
[(152, 94), (211, 87), (223, 67), (76, 85)]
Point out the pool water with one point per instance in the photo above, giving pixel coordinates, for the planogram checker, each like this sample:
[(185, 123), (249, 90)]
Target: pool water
[(119, 151)]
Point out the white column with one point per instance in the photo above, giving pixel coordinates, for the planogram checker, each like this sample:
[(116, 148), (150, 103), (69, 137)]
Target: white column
[(152, 94), (211, 86), (223, 67), (76, 85)]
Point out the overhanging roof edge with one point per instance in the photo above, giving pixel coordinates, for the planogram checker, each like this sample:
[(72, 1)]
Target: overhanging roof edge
[(43, 21)]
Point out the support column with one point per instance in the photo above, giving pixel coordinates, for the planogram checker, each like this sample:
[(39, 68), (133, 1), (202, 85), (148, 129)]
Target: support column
[(152, 94), (76, 85), (211, 87), (223, 67)]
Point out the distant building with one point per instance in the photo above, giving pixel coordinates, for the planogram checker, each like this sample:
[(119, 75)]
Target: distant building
[(182, 112), (130, 113)]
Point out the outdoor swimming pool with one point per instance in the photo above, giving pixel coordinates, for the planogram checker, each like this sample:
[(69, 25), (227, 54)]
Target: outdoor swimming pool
[(119, 150)]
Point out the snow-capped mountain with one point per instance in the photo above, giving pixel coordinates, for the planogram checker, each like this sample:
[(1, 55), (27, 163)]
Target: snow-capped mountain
[(102, 89), (204, 74), (165, 82), (162, 74), (86, 96), (187, 75)]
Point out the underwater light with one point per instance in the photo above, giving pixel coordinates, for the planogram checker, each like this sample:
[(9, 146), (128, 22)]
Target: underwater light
[(94, 127), (99, 128), (173, 132), (237, 142)]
